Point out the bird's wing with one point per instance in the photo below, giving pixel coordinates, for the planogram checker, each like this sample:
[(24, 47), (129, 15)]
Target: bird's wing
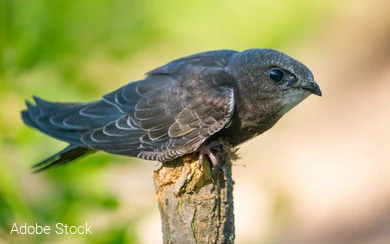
[(68, 122), (168, 114), (172, 111), (164, 116)]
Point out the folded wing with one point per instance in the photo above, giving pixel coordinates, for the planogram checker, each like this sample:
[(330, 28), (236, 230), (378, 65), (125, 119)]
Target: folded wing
[(168, 114)]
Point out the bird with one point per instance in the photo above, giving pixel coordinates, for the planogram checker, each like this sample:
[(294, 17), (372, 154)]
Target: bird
[(179, 108)]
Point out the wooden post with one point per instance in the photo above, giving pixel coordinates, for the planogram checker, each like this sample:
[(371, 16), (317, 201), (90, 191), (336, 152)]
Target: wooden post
[(196, 203)]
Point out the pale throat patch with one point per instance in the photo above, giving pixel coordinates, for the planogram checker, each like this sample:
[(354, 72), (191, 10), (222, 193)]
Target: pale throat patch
[(292, 98)]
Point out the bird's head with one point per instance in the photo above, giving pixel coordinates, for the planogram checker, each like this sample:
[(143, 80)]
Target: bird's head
[(270, 73)]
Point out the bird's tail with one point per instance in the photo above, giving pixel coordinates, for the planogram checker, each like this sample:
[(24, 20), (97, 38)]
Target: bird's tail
[(31, 117), (63, 157)]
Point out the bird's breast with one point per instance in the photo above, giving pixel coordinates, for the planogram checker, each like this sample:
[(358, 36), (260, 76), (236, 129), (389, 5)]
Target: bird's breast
[(248, 122)]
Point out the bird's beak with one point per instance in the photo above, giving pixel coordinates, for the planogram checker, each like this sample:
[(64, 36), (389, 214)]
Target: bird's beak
[(313, 88)]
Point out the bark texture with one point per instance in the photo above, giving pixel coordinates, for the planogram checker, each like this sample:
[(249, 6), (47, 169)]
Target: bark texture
[(196, 203)]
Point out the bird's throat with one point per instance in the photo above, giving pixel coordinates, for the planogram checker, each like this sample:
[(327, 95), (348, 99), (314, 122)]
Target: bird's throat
[(292, 98)]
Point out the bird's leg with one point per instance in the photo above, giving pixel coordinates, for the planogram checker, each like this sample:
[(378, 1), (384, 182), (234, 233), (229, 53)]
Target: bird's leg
[(205, 150)]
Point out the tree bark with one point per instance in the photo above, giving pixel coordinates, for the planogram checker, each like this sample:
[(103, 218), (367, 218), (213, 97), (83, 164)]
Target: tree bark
[(196, 202)]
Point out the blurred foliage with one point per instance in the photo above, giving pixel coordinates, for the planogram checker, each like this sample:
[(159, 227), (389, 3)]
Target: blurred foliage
[(77, 50)]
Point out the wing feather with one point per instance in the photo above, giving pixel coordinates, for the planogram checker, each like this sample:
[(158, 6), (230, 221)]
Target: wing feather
[(166, 115)]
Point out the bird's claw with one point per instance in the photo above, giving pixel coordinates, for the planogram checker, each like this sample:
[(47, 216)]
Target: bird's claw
[(205, 150)]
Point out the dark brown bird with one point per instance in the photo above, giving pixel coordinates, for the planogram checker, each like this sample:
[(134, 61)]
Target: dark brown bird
[(179, 108)]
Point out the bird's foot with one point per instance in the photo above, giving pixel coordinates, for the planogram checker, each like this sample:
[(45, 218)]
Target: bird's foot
[(206, 150)]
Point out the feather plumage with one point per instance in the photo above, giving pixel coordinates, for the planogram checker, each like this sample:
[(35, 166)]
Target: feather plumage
[(179, 107)]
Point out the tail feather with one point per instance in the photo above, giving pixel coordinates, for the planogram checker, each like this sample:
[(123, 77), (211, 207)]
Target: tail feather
[(37, 116), (65, 156), (27, 114), (64, 121), (45, 107)]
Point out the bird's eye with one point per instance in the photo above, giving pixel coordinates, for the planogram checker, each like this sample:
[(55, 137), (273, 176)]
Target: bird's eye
[(276, 74)]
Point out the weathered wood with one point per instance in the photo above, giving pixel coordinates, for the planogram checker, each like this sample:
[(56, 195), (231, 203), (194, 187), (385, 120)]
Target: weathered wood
[(196, 203)]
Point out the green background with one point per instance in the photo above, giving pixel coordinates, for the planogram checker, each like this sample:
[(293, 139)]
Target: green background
[(78, 50)]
